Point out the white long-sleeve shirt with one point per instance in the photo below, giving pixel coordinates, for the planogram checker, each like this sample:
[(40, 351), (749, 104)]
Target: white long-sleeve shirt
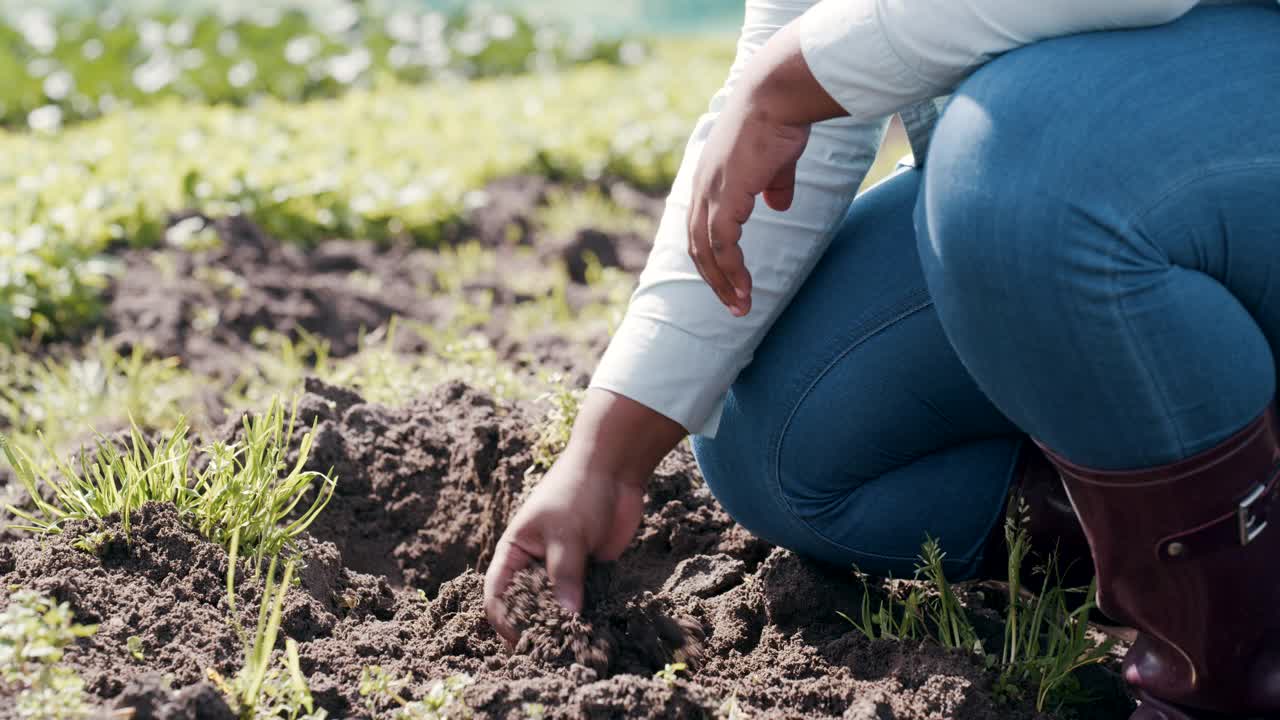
[(678, 349)]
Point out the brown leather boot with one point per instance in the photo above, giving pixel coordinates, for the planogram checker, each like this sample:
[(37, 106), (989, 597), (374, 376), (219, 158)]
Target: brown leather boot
[(1186, 554), (1051, 524)]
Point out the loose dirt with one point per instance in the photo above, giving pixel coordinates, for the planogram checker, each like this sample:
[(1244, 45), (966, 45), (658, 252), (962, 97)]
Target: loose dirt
[(422, 493), (392, 569), (208, 306)]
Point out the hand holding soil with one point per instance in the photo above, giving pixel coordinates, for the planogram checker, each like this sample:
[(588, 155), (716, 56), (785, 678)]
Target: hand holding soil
[(589, 504), (574, 512)]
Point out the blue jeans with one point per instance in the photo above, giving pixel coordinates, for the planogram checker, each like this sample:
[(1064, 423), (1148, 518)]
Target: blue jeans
[(1093, 224), (1112, 279)]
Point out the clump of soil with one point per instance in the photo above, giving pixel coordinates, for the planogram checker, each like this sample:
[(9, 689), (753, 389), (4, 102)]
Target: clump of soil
[(423, 492), (503, 212), (150, 697), (612, 635)]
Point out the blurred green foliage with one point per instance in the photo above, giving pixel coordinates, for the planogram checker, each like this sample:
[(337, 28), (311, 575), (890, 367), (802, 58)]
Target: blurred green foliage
[(58, 68), (392, 161)]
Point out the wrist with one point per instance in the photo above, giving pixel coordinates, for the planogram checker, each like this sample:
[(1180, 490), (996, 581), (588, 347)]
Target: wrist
[(618, 438), (780, 89), (602, 464)]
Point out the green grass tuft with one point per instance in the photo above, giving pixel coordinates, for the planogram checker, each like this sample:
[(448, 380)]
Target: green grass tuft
[(1046, 639), (263, 690), (244, 489), (953, 629), (1046, 636)]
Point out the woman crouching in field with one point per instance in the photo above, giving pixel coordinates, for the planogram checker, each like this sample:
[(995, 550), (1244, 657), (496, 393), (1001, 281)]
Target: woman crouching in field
[(1078, 283)]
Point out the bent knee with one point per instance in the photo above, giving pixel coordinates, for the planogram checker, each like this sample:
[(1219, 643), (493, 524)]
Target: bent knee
[(795, 497), (740, 467), (734, 469)]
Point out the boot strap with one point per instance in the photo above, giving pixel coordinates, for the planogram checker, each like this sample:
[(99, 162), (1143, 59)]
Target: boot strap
[(1234, 529)]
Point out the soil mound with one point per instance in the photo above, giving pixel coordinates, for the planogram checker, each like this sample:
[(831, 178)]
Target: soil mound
[(614, 634), (424, 490)]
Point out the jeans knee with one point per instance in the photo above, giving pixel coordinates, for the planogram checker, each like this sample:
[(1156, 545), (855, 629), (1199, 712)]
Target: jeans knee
[(741, 471), (734, 466)]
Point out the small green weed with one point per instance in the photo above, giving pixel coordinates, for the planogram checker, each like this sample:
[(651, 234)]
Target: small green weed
[(668, 673), (444, 701), (34, 633), (937, 614), (133, 644), (245, 487), (93, 542), (534, 711), (893, 619), (1046, 640), (263, 690), (557, 426), (947, 615)]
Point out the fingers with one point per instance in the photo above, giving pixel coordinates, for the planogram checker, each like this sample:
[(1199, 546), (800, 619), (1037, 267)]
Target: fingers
[(566, 566), (782, 188), (714, 231), (703, 257), (508, 559), (726, 232)]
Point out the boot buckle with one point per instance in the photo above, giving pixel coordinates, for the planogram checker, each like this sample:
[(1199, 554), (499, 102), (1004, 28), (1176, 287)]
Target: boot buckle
[(1248, 524)]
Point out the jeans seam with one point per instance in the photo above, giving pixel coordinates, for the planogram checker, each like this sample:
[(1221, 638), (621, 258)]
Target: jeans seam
[(908, 307)]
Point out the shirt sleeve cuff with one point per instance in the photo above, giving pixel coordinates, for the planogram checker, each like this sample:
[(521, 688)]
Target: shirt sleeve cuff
[(848, 53), (650, 362)]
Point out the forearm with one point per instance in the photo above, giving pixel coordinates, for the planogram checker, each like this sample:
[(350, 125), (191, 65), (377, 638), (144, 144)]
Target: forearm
[(780, 86), (678, 349), (620, 438), (874, 58)]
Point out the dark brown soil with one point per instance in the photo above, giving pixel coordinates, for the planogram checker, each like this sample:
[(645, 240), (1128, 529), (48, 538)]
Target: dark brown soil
[(422, 493), (423, 490), (205, 306), (392, 569)]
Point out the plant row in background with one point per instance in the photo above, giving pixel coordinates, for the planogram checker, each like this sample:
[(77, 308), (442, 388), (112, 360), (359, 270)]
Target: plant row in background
[(396, 161), (58, 399), (62, 67)]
